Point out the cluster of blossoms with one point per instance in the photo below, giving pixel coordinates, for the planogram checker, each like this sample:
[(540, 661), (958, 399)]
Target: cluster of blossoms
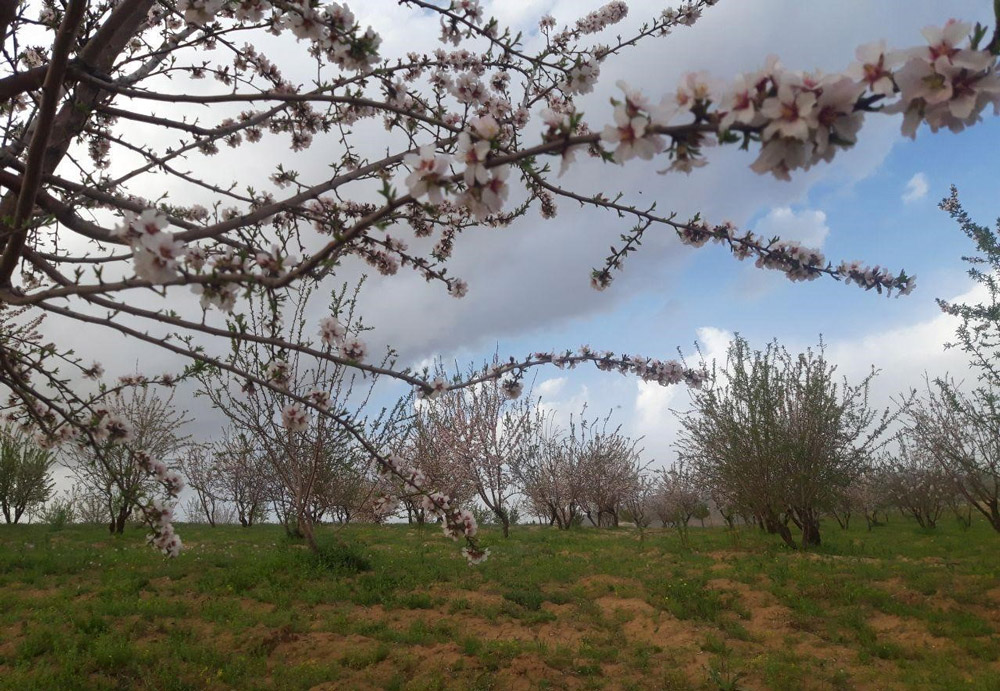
[(456, 523), (294, 418), (876, 277), (275, 263), (335, 335), (665, 373), (279, 373), (468, 11), (940, 84), (436, 388), (320, 399), (155, 252), (172, 480), (160, 513), (802, 118), (66, 434), (798, 263), (484, 188), (602, 18), (108, 426), (331, 30)]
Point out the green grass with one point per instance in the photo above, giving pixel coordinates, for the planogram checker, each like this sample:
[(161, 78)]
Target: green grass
[(397, 607)]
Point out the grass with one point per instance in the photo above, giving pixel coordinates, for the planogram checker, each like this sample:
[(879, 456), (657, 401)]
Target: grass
[(396, 607)]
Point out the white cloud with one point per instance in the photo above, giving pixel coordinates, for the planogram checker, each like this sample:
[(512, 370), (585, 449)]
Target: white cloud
[(550, 388), (916, 188), (807, 226), (561, 410), (653, 418), (903, 354)]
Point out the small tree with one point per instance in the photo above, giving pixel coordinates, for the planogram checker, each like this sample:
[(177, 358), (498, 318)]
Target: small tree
[(116, 473), (25, 478), (609, 465), (202, 476), (244, 477), (305, 452), (425, 443), (778, 434), (551, 479), (638, 502), (866, 494), (917, 485), (961, 432), (489, 435), (677, 498)]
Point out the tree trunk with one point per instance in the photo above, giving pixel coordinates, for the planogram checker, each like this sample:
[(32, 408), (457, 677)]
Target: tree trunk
[(118, 522), (790, 514), (781, 528), (771, 524), (304, 526), (810, 532), (786, 535)]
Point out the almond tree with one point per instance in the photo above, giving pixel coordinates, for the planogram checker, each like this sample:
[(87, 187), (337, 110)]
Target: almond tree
[(488, 435), (25, 475), (638, 502), (961, 432), (115, 472), (425, 444), (610, 468), (917, 485), (102, 118), (202, 476), (778, 434), (551, 480), (307, 456), (244, 477), (677, 496)]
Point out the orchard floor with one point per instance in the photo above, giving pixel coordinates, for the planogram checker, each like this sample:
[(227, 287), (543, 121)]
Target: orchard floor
[(399, 609)]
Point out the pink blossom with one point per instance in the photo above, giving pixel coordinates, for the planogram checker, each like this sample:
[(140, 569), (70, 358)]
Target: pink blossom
[(739, 103), (458, 288), (791, 112), (320, 399), (485, 127), (581, 79), (874, 67), (427, 173), (354, 349), (473, 155), (294, 418), (331, 331), (630, 135)]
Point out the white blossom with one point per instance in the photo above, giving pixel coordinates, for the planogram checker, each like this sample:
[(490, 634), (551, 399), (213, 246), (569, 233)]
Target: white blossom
[(294, 418)]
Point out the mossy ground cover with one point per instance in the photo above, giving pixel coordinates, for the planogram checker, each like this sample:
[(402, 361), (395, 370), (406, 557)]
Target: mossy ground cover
[(396, 607)]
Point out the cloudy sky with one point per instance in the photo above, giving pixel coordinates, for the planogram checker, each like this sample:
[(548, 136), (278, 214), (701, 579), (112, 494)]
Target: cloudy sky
[(877, 203), (529, 284)]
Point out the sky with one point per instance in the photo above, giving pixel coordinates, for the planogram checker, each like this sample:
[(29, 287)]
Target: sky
[(529, 284), (878, 202)]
